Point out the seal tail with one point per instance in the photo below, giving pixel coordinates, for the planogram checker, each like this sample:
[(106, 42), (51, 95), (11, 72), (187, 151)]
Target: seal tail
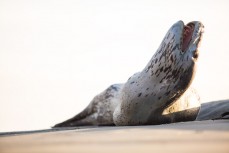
[(82, 119)]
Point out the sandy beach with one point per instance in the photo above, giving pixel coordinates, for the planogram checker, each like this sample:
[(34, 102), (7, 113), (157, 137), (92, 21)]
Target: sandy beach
[(198, 136)]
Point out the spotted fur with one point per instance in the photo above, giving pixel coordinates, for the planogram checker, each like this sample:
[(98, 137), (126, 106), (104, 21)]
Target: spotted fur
[(99, 111), (166, 77), (158, 94)]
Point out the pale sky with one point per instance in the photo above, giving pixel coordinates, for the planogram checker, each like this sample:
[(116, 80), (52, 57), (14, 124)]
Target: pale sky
[(55, 56)]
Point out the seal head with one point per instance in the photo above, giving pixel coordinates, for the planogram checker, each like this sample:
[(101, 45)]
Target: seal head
[(165, 78)]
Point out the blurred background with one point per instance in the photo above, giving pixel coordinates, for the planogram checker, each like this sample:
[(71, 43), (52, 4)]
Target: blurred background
[(56, 55)]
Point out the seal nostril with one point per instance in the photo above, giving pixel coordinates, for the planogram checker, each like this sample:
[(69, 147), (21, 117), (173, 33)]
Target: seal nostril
[(196, 55)]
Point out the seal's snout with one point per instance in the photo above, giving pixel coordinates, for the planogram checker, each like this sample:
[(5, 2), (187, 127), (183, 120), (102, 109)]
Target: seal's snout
[(196, 39)]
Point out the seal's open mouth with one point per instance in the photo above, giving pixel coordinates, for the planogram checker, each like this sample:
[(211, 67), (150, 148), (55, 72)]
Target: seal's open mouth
[(187, 35)]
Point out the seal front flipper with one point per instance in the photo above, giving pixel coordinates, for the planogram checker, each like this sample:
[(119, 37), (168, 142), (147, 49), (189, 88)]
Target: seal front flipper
[(99, 111), (186, 108)]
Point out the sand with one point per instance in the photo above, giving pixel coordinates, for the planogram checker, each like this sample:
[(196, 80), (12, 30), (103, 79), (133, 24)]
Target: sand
[(198, 136)]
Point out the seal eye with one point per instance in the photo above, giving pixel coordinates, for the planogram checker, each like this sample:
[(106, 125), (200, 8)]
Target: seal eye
[(187, 36)]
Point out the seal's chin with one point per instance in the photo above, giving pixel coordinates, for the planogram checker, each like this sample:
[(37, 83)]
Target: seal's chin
[(187, 36)]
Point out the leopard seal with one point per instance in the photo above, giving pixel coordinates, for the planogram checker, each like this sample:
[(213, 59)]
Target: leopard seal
[(160, 93)]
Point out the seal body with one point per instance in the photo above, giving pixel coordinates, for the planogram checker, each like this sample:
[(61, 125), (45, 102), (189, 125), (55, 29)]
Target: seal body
[(162, 82), (158, 94)]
